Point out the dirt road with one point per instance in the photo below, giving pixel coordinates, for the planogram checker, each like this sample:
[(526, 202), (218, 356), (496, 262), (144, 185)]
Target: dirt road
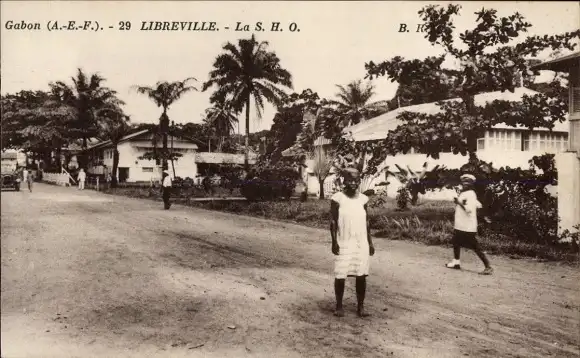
[(90, 275)]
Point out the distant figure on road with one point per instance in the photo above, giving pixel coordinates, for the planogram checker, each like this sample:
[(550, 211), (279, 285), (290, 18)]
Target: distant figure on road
[(351, 239), (81, 178), (466, 206), (166, 189), (29, 179)]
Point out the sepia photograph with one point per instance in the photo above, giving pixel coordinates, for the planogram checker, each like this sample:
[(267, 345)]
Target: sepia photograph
[(312, 179)]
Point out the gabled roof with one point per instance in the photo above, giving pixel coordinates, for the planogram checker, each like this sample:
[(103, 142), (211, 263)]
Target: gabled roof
[(562, 64), (126, 138), (379, 127)]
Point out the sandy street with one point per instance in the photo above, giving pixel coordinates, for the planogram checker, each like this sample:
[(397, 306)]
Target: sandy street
[(85, 274)]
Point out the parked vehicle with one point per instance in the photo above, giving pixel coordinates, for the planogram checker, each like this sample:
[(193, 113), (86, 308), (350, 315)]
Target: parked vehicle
[(11, 177)]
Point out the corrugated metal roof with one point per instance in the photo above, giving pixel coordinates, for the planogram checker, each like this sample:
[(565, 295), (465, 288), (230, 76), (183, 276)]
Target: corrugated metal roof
[(560, 64), (128, 138), (379, 127)]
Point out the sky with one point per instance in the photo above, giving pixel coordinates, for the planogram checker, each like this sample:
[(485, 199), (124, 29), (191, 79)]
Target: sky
[(335, 41)]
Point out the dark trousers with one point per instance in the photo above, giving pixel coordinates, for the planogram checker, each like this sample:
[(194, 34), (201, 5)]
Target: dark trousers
[(166, 194), (467, 240)]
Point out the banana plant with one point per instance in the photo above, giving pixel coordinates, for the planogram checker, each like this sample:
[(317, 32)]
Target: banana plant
[(412, 180)]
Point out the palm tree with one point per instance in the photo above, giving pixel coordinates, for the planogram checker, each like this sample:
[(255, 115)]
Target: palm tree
[(86, 96), (221, 120), (322, 164), (354, 102), (113, 126), (164, 94), (245, 71)]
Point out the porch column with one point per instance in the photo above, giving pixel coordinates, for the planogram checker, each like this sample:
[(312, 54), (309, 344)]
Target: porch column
[(568, 167)]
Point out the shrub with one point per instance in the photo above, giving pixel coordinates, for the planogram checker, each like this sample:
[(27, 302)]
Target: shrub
[(270, 183), (402, 198)]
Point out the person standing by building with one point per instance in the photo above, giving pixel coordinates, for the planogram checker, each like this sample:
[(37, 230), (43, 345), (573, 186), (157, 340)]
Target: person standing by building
[(166, 185), (464, 235), (82, 176), (351, 240)]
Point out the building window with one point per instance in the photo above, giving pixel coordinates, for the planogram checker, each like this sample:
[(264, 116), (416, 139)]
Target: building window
[(481, 144), (550, 142), (147, 170), (502, 140)]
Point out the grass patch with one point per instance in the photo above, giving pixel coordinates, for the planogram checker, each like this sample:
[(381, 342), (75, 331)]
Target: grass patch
[(430, 223)]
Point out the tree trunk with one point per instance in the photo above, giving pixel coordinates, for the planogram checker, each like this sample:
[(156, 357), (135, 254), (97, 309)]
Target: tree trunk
[(164, 125), (115, 166), (247, 154), (321, 183)]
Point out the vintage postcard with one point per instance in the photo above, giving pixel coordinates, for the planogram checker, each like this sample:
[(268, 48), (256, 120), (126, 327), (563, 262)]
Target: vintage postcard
[(290, 179)]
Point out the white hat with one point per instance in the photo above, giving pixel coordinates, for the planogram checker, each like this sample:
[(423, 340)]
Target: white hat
[(166, 171), (468, 177)]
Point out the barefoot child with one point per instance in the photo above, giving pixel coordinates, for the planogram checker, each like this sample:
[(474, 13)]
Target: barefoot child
[(351, 240), (466, 206)]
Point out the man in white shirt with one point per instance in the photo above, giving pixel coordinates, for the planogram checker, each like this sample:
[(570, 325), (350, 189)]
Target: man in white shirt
[(81, 178), (166, 189), (466, 206)]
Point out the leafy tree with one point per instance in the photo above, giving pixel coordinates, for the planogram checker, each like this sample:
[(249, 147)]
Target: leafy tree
[(354, 102), (34, 122), (349, 153), (288, 122), (428, 83), (85, 97), (113, 126), (488, 63), (164, 94), (248, 71)]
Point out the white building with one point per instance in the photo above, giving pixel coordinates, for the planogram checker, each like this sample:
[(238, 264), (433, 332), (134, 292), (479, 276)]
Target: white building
[(568, 163), (133, 169), (502, 145)]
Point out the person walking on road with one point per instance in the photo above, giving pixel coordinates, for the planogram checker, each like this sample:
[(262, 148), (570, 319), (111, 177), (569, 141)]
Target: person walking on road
[(166, 189), (351, 240), (24, 175), (82, 176), (466, 206), (29, 179)]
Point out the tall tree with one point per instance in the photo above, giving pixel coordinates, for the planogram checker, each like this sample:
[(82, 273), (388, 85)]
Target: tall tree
[(248, 71), (35, 123), (429, 82), (288, 122), (488, 63), (164, 94), (222, 121), (85, 96), (113, 126), (354, 101)]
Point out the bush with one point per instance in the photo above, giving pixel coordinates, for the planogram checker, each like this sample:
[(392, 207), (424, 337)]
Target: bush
[(528, 218), (402, 198), (270, 183), (514, 198)]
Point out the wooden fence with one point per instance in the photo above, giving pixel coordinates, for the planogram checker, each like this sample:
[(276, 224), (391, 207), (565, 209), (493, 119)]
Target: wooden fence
[(56, 178)]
